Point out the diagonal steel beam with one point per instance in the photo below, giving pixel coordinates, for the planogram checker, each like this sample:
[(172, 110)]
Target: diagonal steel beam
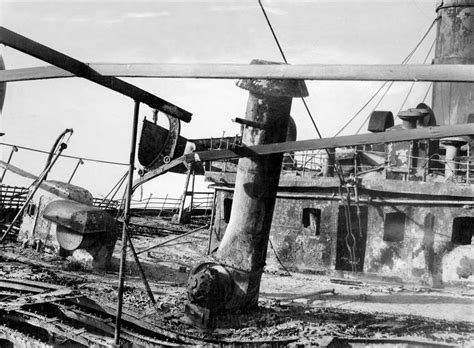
[(436, 132), (80, 69)]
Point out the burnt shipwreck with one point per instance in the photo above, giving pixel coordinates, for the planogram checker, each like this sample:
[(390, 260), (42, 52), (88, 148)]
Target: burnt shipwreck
[(395, 202)]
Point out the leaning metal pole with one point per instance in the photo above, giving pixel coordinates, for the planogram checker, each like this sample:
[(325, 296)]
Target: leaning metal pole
[(128, 198), (14, 149), (233, 282)]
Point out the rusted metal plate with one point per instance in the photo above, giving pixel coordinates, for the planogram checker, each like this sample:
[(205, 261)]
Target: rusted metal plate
[(159, 145), (152, 141), (78, 217)]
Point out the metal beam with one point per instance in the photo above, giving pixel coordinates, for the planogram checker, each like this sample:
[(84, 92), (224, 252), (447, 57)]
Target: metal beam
[(335, 72), (80, 69), (328, 143)]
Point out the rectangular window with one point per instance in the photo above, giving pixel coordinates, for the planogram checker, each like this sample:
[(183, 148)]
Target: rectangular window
[(462, 230), (394, 227), (227, 209), (312, 220)]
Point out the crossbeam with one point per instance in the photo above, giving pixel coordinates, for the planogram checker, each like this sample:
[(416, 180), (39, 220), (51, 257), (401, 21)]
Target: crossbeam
[(75, 67), (436, 132), (334, 72)]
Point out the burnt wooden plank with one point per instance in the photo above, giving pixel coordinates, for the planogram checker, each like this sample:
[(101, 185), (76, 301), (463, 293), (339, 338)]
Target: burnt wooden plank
[(80, 69), (51, 296)]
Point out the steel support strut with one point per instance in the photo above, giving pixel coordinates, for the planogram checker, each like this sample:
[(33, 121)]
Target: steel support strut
[(128, 198), (80, 69)]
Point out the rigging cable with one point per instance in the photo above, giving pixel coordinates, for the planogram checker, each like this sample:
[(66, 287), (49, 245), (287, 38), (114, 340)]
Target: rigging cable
[(66, 156), (375, 107), (286, 61), (405, 61), (427, 91), (413, 83)]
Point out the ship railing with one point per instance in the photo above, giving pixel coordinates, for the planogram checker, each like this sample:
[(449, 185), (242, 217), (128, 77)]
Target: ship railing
[(106, 204), (12, 197), (312, 163), (201, 203)]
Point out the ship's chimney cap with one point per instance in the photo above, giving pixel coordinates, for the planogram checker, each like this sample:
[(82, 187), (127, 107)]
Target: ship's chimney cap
[(275, 88), (411, 114), (454, 141), (422, 111), (453, 3)]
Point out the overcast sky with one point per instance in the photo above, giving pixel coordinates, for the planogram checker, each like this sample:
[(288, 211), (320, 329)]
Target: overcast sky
[(346, 32)]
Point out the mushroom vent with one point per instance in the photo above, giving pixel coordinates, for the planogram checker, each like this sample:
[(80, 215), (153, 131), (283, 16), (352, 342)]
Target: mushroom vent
[(79, 225)]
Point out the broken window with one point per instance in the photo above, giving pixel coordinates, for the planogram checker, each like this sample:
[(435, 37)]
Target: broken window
[(31, 209), (462, 230), (312, 219), (227, 209), (394, 227)]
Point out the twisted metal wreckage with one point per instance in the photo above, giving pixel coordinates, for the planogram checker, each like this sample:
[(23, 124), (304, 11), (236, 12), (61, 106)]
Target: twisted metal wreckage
[(397, 179)]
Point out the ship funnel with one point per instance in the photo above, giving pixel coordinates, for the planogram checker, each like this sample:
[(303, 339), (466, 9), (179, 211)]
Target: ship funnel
[(452, 101)]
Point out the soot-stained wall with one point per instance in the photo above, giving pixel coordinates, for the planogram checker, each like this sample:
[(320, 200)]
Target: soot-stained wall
[(404, 241)]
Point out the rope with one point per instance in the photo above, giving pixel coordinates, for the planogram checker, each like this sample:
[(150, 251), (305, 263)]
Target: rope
[(67, 156)]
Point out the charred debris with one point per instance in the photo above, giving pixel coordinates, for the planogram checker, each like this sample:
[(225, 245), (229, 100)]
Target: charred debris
[(391, 206)]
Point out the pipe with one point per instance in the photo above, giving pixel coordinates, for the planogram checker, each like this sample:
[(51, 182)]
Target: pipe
[(242, 251), (128, 199), (452, 146), (55, 146), (75, 169)]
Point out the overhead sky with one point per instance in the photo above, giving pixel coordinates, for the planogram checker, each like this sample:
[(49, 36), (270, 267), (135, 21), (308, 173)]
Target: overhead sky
[(345, 32)]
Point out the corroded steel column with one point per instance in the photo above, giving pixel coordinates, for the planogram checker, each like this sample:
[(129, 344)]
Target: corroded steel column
[(242, 251), (452, 101)]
